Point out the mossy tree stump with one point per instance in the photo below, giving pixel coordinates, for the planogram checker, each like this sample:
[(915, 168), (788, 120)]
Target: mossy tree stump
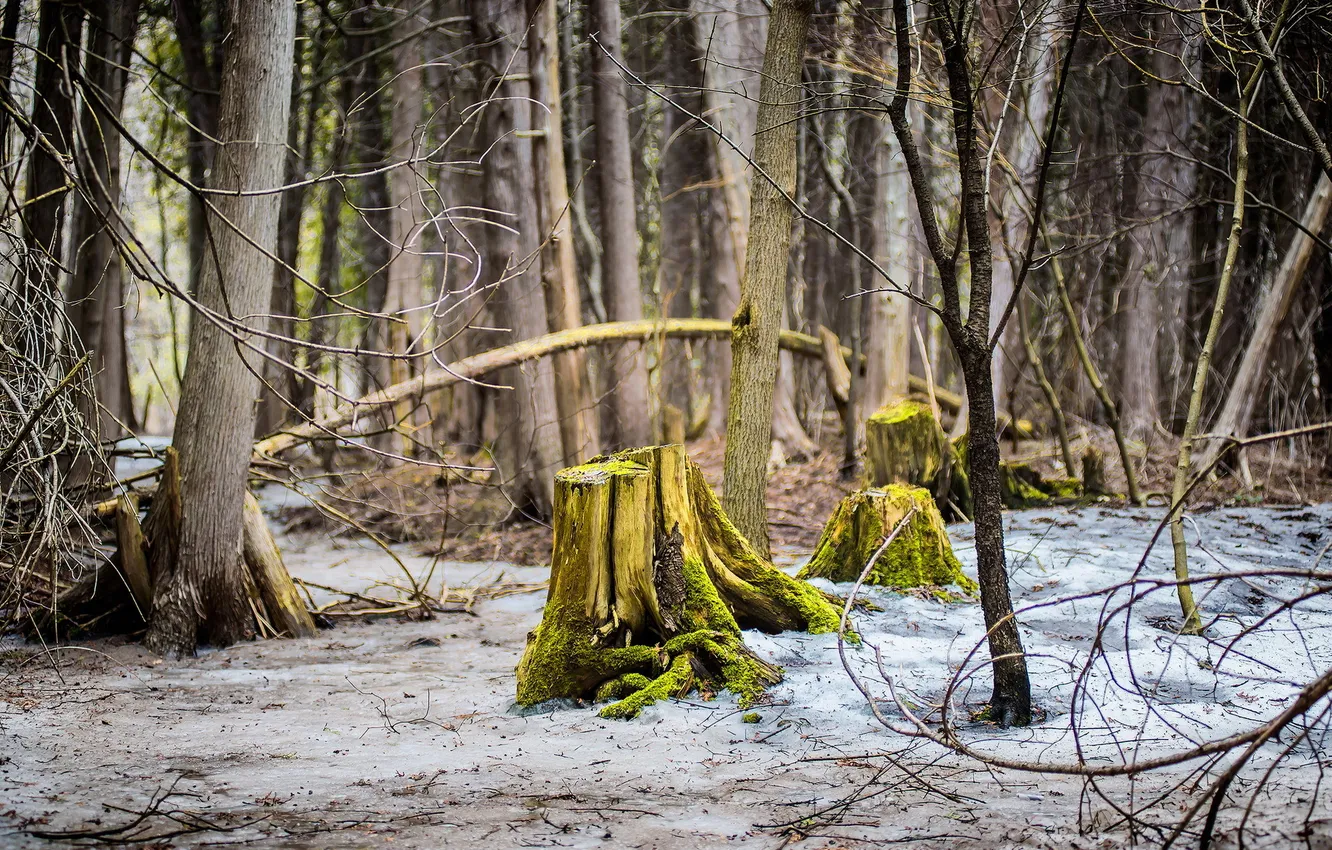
[(650, 587), (920, 555), (905, 445)]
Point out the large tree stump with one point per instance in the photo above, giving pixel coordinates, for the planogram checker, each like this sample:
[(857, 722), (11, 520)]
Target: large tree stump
[(905, 445), (650, 587), (920, 555)]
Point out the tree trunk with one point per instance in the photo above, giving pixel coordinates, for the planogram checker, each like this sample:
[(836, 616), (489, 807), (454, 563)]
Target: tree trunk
[(201, 51), (217, 406), (630, 402), (59, 30), (758, 320), (403, 323), (283, 605), (579, 429), (887, 323), (1192, 624), (1161, 250), (97, 289), (649, 577), (530, 447), (279, 392), (684, 157), (1244, 386)]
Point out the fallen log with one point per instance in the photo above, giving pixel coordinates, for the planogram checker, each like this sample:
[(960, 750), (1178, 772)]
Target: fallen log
[(650, 587), (471, 368), (283, 605)]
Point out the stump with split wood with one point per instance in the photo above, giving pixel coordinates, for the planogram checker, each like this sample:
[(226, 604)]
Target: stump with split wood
[(650, 586), (919, 556)]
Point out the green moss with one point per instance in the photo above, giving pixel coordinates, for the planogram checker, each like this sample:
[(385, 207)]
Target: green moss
[(742, 672), (563, 659), (900, 412), (920, 555), (676, 681), (752, 717), (813, 610), (1023, 487), (622, 686)]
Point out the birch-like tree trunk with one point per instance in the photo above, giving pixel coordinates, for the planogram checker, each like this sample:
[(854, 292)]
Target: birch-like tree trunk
[(204, 596), (402, 296), (621, 289)]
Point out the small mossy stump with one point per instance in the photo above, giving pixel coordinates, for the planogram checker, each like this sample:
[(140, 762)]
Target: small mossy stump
[(650, 586), (905, 445), (920, 555)]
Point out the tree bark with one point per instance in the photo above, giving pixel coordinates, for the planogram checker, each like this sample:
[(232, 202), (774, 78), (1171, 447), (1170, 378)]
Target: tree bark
[(758, 320), (1237, 410), (217, 407), (621, 289)]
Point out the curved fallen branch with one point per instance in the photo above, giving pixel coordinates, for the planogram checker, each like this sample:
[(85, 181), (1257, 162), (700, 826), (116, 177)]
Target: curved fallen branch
[(470, 368)]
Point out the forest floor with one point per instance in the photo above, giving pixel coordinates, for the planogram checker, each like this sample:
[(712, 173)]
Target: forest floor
[(403, 731)]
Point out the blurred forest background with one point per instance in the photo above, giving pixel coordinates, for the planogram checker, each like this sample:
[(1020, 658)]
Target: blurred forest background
[(458, 177)]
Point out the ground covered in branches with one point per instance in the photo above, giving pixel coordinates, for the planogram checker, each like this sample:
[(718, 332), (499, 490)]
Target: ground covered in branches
[(401, 730)]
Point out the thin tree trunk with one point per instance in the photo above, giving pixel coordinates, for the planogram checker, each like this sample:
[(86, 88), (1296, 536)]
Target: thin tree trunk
[(205, 596), (403, 323), (730, 35), (59, 29), (1093, 376), (97, 289), (579, 428), (630, 401), (1243, 393), (758, 320), (201, 54), (279, 390), (1184, 462), (683, 164)]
